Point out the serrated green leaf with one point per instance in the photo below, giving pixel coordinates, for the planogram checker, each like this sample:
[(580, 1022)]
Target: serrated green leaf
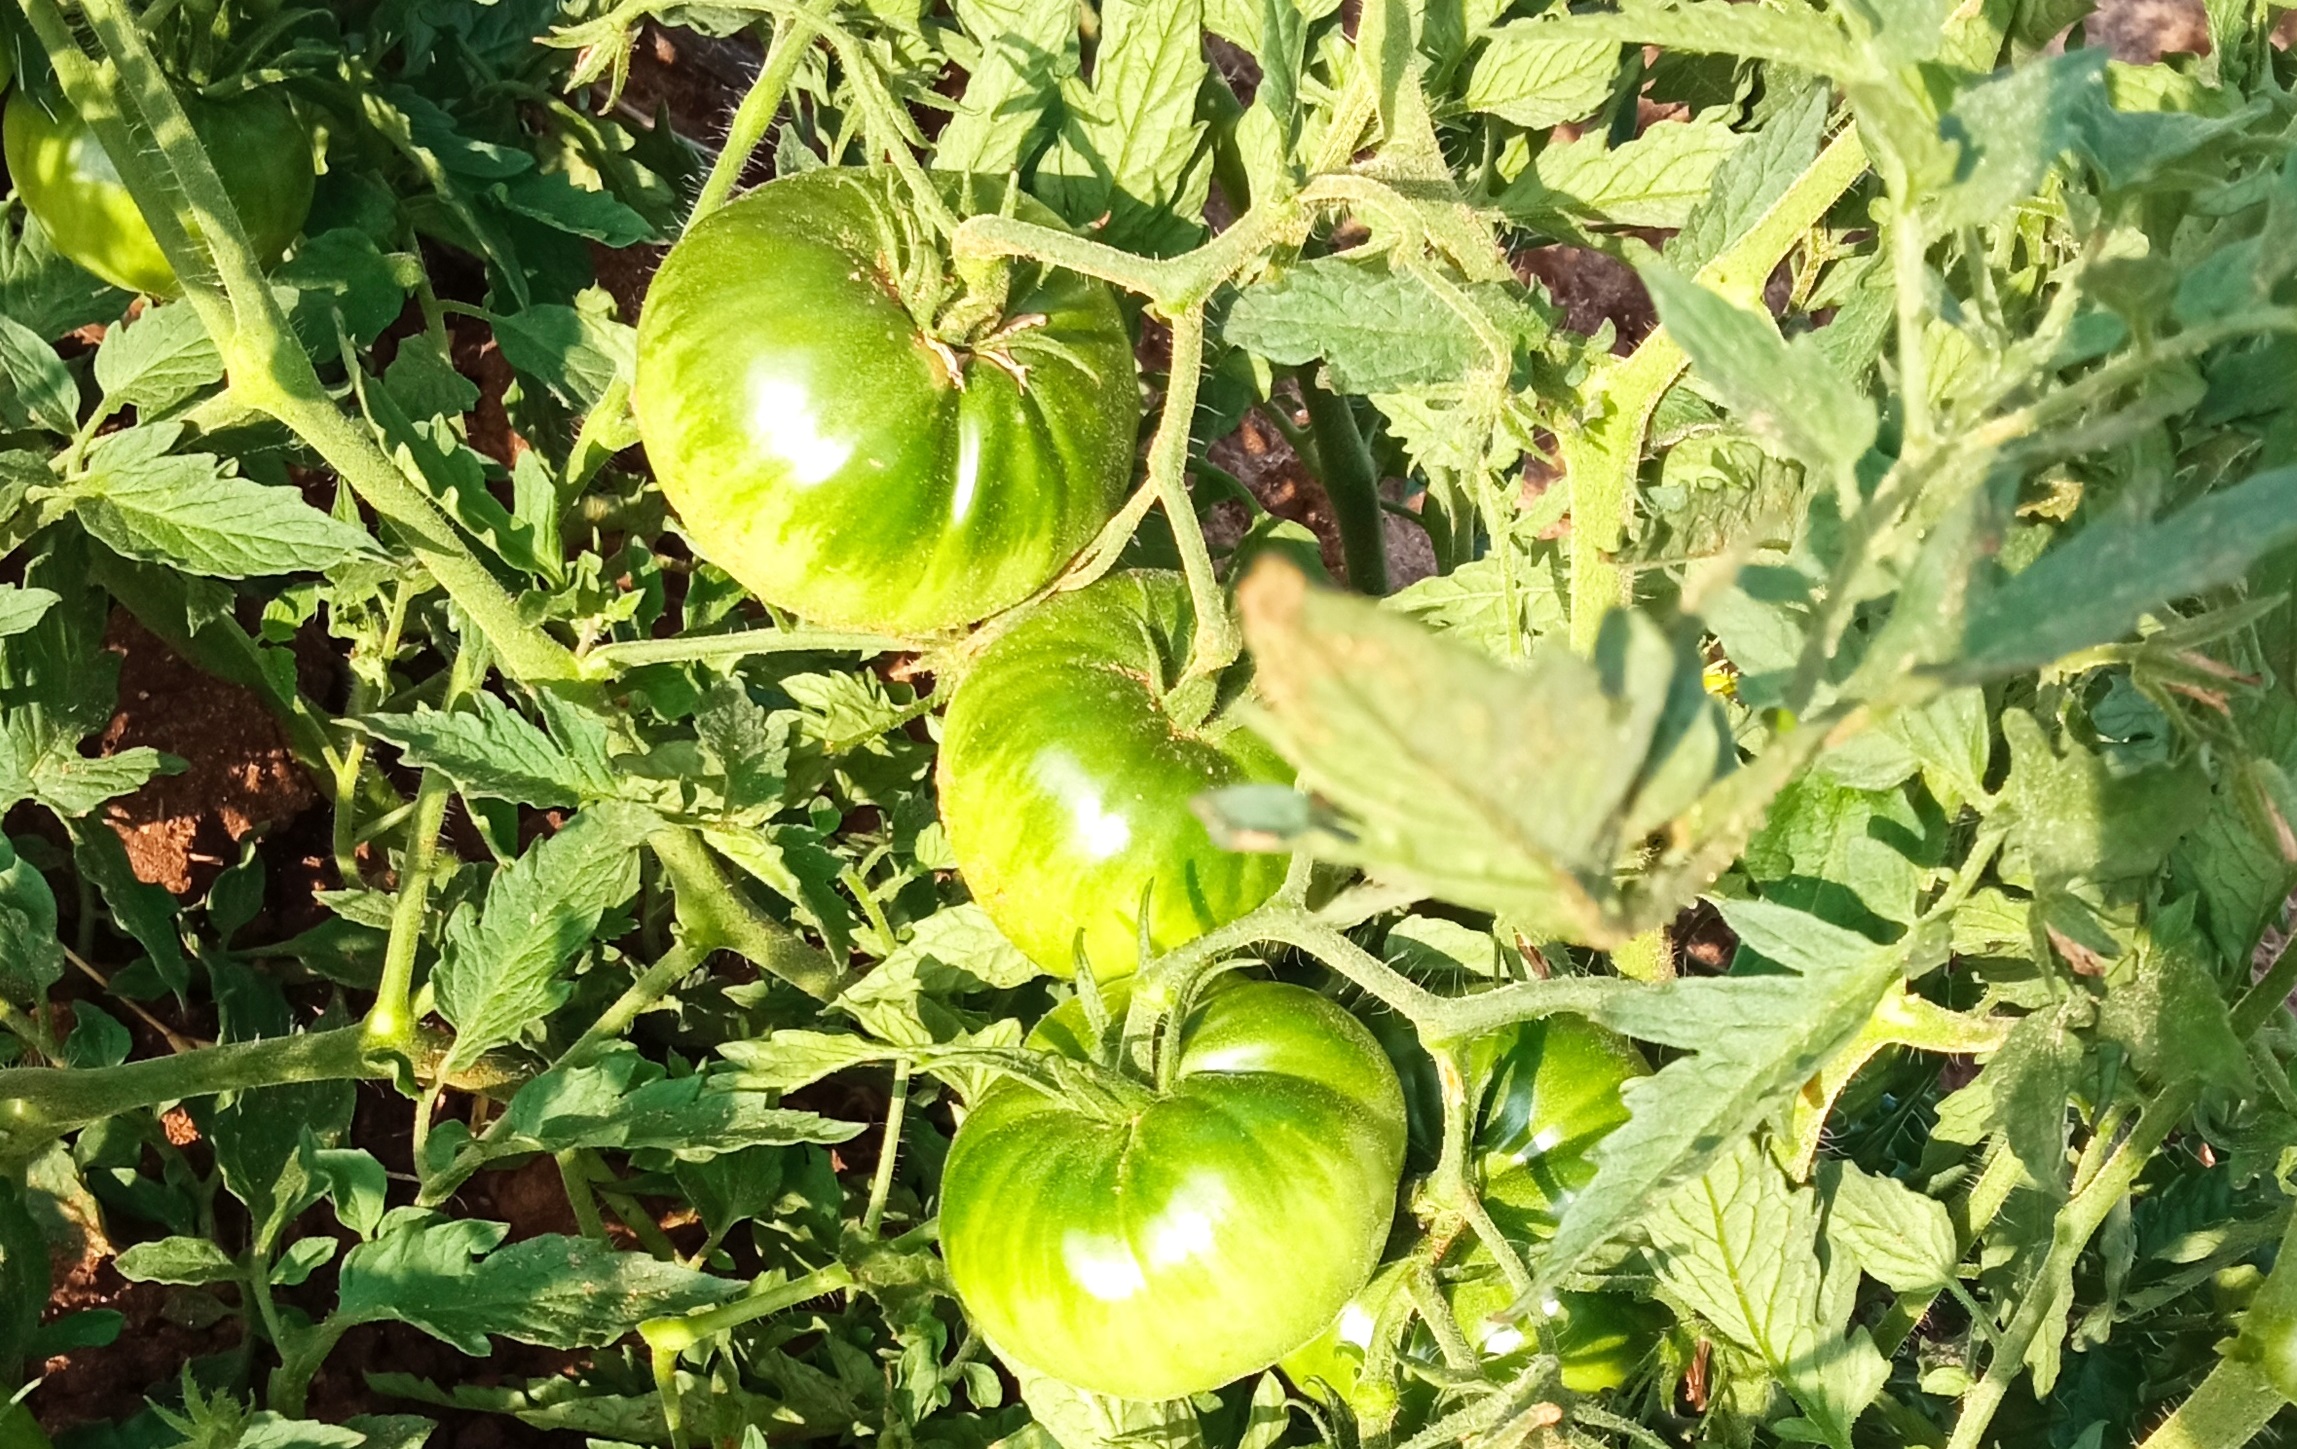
[(20, 609), (1898, 1237), (556, 1291), (553, 199), (1128, 149), (490, 752), (1750, 180), (1496, 788), (2093, 587), (502, 967), (156, 361), (191, 512), (2078, 818), (1527, 76), (1653, 180), (1754, 1041), (35, 390), (576, 352), (1027, 48), (177, 1260), (1376, 330), (625, 1103), (1740, 1245), (1787, 394)]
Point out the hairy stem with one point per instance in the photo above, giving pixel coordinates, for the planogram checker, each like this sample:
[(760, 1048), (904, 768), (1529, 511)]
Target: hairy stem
[(792, 38)]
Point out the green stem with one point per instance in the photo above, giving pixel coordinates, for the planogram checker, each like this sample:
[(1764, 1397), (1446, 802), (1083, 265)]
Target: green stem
[(39, 1103), (574, 1176), (299, 1361), (888, 1152), (2076, 1224), (1909, 249), (1352, 483), (718, 915), (792, 38), (2229, 1409), (611, 659), (676, 1335), (675, 965), (1217, 638), (390, 1023)]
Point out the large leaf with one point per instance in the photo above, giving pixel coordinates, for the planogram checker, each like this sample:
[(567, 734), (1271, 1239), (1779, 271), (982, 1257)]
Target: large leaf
[(1753, 1041), (556, 1291)]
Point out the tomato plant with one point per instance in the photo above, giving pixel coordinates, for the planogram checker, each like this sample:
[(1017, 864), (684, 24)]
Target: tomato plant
[(1122, 1246), (827, 448), (1070, 760), (261, 151), (1645, 648)]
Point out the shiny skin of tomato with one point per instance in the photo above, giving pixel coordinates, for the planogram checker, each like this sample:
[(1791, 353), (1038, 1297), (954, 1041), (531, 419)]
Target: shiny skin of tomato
[(1601, 1339), (1201, 1237), (818, 446), (261, 152), (1065, 782), (1551, 1091)]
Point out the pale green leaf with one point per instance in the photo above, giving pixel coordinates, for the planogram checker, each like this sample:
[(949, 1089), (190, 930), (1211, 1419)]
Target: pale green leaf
[(1526, 75), (2092, 588), (1028, 47), (191, 512), (490, 752), (1753, 1041), (1655, 179), (157, 361), (1787, 394)]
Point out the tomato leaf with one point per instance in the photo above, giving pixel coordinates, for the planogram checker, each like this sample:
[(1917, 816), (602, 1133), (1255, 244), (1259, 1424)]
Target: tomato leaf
[(1741, 1246), (1527, 75), (502, 965), (156, 361), (189, 510), (490, 752), (556, 1291), (1754, 1040), (1788, 394)]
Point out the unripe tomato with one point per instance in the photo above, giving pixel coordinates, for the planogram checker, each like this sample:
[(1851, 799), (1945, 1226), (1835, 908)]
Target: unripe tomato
[(1065, 780), (1551, 1091), (1163, 1250), (824, 449), (261, 152), (1601, 1339)]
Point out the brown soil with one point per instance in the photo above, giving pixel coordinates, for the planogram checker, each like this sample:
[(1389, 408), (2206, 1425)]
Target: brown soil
[(182, 830)]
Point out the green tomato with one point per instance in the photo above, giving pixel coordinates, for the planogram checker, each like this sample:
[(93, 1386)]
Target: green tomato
[(1601, 1339), (1551, 1092), (820, 447), (1066, 777), (261, 152), (1201, 1237)]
